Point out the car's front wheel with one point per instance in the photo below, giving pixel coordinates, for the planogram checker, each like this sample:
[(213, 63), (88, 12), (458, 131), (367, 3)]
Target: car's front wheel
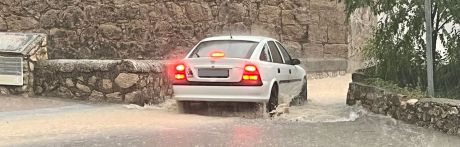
[(301, 99)]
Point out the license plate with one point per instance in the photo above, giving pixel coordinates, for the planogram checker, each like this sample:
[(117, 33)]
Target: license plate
[(213, 73)]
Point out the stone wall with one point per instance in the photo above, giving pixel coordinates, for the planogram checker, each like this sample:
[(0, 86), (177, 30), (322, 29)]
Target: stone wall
[(438, 113), (147, 29), (119, 81)]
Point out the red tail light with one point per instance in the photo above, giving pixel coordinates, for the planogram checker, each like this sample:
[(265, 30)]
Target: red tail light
[(251, 73), (180, 72)]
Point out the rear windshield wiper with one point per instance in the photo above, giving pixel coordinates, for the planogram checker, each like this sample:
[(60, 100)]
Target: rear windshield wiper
[(197, 55)]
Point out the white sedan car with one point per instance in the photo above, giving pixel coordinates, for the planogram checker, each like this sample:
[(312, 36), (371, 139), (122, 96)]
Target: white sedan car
[(239, 69)]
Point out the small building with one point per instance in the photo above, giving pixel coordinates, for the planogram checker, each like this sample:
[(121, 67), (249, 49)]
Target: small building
[(19, 53)]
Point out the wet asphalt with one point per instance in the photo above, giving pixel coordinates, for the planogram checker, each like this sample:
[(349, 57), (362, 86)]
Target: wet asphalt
[(325, 121)]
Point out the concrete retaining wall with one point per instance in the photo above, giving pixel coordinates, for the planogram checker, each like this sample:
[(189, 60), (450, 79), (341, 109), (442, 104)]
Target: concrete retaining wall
[(438, 113), (318, 68), (120, 81)]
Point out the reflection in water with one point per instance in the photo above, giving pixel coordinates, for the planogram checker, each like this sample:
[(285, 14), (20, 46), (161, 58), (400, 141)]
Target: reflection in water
[(322, 113), (246, 135)]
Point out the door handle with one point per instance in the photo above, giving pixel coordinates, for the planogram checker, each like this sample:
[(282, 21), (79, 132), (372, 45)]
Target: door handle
[(279, 71), (289, 71)]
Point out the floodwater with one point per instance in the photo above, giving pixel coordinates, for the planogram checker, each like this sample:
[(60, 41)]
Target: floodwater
[(324, 121)]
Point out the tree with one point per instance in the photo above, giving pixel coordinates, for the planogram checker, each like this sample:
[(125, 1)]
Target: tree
[(398, 45)]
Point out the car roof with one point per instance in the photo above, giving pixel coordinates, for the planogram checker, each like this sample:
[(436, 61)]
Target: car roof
[(245, 38)]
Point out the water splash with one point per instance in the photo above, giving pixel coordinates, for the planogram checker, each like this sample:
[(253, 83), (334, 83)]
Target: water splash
[(169, 106), (322, 113)]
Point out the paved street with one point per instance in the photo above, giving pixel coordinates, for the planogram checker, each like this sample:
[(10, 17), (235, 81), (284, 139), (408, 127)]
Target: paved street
[(324, 121)]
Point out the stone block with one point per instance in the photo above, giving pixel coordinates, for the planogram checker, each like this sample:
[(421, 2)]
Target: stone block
[(92, 80), (107, 84), (81, 78), (64, 92), (19, 23), (294, 49), (83, 88), (3, 25), (317, 33), (295, 32), (96, 96), (261, 29), (198, 12), (270, 14), (111, 31), (49, 19), (323, 3), (313, 50), (4, 91), (302, 15), (133, 97), (72, 17), (126, 80), (337, 34), (69, 82), (114, 97), (336, 50), (288, 17)]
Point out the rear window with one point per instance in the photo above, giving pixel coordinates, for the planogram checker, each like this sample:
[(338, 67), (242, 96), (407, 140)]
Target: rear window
[(231, 48)]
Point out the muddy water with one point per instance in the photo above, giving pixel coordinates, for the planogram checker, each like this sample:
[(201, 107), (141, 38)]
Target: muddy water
[(326, 102), (16, 103), (324, 121)]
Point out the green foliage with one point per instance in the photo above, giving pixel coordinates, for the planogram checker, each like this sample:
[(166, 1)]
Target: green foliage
[(398, 44), (387, 85)]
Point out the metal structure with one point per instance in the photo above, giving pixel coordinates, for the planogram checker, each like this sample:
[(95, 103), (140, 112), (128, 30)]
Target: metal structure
[(429, 50), (15, 51), (11, 71), (15, 42)]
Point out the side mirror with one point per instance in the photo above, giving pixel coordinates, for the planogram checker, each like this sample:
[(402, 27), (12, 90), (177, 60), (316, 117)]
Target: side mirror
[(295, 61)]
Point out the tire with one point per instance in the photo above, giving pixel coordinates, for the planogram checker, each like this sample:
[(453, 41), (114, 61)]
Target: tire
[(302, 98), (273, 101)]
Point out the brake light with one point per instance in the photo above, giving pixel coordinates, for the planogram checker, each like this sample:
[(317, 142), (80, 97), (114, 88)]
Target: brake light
[(180, 72), (217, 54), (251, 73)]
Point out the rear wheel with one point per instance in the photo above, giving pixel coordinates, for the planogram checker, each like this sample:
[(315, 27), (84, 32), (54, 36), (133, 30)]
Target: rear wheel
[(273, 101)]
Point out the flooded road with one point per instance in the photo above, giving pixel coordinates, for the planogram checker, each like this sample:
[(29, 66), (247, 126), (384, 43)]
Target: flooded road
[(324, 121)]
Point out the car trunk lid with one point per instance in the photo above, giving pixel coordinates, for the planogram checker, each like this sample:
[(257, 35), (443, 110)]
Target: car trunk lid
[(215, 69)]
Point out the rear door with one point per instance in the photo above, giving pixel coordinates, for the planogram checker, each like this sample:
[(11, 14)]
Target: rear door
[(295, 80), (282, 72)]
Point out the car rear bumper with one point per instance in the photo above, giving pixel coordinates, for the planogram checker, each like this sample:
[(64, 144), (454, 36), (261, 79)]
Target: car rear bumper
[(222, 93)]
